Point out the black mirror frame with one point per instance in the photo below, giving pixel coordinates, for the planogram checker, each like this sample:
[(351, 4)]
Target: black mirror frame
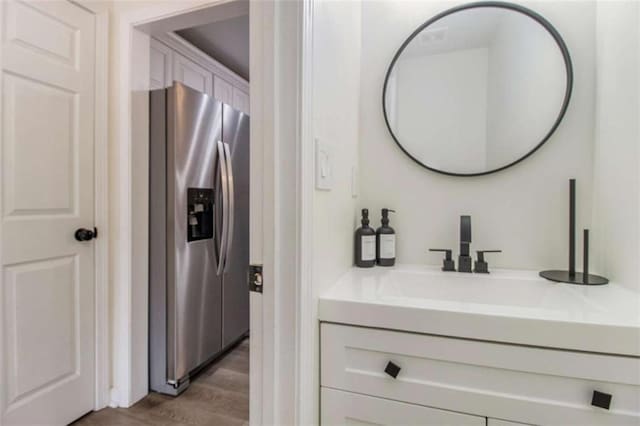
[(496, 4)]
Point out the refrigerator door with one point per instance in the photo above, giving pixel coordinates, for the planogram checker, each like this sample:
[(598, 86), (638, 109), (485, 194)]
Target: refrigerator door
[(194, 308), (158, 242), (235, 291)]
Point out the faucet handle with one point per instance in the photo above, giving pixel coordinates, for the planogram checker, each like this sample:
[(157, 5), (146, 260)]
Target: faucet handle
[(448, 264), (480, 265)]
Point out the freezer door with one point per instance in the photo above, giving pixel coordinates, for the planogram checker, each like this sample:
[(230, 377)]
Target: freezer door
[(235, 290), (194, 306), (158, 242)]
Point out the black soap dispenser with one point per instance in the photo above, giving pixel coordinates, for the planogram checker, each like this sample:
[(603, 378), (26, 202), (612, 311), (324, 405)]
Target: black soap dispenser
[(386, 241), (365, 244)]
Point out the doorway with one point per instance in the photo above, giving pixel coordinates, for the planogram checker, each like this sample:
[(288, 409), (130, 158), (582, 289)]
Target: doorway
[(274, 240), (195, 309), (121, 299)]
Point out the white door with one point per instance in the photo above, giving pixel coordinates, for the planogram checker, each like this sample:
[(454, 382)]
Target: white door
[(47, 183)]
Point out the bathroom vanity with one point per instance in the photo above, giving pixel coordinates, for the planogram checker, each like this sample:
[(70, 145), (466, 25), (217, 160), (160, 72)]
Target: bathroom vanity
[(472, 91), (415, 345)]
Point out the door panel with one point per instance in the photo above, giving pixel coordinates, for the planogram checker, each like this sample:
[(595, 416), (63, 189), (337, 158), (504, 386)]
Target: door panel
[(31, 287), (43, 32), (31, 188), (47, 140), (235, 291)]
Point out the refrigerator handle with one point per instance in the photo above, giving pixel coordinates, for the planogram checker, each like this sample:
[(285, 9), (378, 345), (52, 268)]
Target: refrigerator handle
[(225, 207), (232, 210)]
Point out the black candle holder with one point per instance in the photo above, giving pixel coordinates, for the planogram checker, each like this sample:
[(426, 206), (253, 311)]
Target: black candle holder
[(571, 276)]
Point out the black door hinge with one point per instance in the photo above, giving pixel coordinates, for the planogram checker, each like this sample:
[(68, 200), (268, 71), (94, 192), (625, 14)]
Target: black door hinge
[(255, 278)]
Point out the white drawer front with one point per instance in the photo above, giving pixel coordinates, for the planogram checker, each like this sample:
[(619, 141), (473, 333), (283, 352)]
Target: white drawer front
[(530, 385), (496, 422), (346, 408)]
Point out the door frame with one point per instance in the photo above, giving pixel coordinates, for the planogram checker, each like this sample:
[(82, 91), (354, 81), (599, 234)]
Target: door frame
[(101, 209), (101, 204), (275, 96)]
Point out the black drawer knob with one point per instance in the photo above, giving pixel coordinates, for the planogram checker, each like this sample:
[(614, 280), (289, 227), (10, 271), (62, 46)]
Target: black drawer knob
[(392, 369), (601, 399)]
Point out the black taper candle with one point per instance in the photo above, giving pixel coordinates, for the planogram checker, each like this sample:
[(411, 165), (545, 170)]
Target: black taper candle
[(585, 256), (572, 228)]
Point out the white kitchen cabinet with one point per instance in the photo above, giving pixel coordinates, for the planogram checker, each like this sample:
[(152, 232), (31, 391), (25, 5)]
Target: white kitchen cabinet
[(173, 58), (222, 90), (161, 65), (240, 100), (346, 408), (191, 74), (521, 384)]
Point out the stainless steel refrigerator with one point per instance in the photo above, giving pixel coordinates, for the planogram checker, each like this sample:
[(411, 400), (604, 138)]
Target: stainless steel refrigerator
[(198, 233)]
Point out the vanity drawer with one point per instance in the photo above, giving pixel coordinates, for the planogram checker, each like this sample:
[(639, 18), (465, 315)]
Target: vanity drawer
[(523, 384), (346, 408)]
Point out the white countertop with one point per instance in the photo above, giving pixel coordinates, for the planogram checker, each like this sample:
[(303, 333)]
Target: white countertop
[(504, 306)]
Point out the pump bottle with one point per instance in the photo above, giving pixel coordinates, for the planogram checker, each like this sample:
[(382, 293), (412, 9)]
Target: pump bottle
[(365, 243), (386, 241)]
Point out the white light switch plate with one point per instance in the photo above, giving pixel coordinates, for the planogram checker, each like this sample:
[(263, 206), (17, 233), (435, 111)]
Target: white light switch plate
[(324, 166), (354, 182)]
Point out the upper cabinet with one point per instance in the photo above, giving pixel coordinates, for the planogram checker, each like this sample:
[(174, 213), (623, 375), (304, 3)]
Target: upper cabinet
[(160, 70), (240, 100), (174, 59), (222, 90), (191, 74)]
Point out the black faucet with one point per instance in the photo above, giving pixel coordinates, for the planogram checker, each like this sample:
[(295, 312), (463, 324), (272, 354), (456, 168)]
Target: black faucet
[(464, 260)]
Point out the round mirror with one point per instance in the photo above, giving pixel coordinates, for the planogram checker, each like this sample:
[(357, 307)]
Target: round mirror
[(477, 88)]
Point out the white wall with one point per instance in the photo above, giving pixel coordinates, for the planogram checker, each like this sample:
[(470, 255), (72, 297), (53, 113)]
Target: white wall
[(617, 188), (336, 91), (140, 202), (522, 210)]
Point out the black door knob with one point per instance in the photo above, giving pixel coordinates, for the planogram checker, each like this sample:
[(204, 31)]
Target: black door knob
[(84, 234)]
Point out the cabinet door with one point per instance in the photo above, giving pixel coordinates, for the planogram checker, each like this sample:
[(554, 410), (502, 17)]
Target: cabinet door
[(191, 74), (496, 422), (160, 72), (346, 408), (532, 385), (222, 90), (240, 100)]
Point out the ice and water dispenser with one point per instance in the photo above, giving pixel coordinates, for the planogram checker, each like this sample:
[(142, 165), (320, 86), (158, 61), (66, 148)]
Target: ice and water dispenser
[(199, 214)]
